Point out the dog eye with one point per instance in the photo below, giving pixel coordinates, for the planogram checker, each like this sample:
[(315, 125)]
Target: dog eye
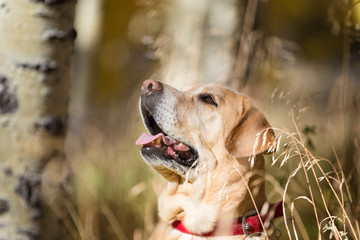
[(209, 99)]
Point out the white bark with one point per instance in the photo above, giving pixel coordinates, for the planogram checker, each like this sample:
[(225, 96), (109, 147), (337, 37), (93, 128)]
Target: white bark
[(198, 43), (36, 39)]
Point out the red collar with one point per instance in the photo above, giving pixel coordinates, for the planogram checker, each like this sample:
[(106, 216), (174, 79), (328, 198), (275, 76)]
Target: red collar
[(247, 224)]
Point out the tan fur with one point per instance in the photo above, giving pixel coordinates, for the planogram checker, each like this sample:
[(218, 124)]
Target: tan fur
[(230, 140)]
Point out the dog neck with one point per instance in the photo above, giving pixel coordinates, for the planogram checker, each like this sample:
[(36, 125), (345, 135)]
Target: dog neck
[(237, 186), (221, 198)]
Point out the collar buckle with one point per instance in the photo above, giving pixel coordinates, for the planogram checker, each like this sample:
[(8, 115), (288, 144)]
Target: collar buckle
[(245, 225)]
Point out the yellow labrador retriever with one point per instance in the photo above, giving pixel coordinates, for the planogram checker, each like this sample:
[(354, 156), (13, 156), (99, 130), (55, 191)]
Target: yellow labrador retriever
[(208, 143)]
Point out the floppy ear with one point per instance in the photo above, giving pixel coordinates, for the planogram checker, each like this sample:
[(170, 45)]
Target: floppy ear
[(251, 135)]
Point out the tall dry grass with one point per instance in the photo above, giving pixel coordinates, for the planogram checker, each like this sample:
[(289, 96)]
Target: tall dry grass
[(323, 191), (320, 202)]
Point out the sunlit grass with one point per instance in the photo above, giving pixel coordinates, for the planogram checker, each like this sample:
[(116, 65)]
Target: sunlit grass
[(323, 194), (115, 194)]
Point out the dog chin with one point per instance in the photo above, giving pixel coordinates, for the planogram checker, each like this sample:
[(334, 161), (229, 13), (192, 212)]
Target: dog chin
[(167, 167)]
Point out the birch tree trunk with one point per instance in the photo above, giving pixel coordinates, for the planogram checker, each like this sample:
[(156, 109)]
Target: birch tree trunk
[(36, 45), (199, 41)]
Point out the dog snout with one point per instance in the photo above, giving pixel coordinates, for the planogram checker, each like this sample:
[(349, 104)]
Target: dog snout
[(149, 86)]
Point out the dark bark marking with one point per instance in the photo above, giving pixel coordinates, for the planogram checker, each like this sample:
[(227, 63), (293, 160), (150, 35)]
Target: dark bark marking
[(8, 100), (46, 66), (4, 206), (7, 171), (32, 234), (35, 214), (52, 2), (28, 189), (54, 34), (4, 7), (42, 14), (53, 125)]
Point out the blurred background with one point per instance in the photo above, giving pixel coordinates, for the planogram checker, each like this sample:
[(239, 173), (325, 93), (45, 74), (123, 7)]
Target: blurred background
[(299, 60)]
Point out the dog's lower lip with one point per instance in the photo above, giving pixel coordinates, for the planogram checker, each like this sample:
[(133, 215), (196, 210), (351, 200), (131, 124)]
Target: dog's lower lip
[(160, 152), (167, 148)]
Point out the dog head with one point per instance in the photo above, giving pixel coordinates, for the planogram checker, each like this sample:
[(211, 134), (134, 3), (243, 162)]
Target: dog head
[(198, 127)]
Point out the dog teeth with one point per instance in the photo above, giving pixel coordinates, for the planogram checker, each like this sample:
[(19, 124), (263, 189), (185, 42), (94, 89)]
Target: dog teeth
[(181, 147)]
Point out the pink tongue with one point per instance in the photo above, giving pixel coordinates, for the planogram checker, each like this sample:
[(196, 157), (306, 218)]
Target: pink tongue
[(147, 138)]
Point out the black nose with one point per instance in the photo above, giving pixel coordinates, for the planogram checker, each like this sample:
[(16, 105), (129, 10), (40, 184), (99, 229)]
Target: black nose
[(150, 86)]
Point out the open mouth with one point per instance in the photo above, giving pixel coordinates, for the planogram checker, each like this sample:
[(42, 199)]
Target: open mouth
[(159, 144)]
